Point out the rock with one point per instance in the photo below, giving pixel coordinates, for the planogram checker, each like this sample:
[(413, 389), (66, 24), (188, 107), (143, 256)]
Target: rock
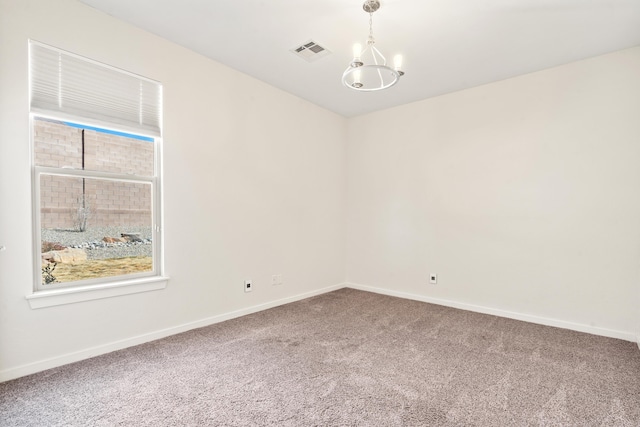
[(131, 237), (47, 257), (52, 246), (65, 256), (114, 239)]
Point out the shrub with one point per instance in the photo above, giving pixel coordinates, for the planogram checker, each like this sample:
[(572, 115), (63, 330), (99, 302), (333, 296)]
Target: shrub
[(82, 214), (47, 273)]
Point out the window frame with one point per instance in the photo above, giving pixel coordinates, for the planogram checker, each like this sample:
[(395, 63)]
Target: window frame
[(42, 295), (114, 285)]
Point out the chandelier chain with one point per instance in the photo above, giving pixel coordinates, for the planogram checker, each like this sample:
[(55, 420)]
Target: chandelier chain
[(370, 40)]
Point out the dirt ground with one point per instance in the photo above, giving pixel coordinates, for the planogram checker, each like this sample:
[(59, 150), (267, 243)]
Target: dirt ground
[(91, 269)]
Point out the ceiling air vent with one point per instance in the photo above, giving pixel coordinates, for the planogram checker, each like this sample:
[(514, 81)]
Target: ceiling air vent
[(310, 51)]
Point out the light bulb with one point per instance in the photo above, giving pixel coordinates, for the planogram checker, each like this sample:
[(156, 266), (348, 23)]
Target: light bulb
[(397, 62), (357, 50), (356, 79)]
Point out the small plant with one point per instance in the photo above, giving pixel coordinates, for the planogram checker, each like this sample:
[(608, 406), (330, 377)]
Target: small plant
[(47, 273), (82, 214)]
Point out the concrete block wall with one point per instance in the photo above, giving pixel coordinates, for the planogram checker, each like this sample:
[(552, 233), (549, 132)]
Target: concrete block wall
[(109, 203)]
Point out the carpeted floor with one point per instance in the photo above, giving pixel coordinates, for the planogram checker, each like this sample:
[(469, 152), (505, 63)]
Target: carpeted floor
[(346, 358)]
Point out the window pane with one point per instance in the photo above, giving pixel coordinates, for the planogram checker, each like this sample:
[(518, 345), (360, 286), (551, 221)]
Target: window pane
[(107, 152), (94, 228), (64, 144), (57, 145)]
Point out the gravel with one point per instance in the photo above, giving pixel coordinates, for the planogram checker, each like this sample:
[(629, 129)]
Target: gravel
[(91, 241)]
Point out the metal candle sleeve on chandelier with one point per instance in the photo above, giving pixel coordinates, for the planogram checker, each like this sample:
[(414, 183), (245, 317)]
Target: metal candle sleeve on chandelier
[(368, 71)]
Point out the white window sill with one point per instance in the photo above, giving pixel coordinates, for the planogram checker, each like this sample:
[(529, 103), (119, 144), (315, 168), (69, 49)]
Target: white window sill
[(42, 299)]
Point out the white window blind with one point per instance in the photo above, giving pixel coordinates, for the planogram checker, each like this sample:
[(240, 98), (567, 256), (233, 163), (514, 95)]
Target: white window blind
[(71, 86)]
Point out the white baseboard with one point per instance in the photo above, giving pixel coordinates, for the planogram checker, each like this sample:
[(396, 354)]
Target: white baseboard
[(32, 368), (627, 336)]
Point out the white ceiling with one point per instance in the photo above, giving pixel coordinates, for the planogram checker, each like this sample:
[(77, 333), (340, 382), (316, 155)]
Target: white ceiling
[(447, 45)]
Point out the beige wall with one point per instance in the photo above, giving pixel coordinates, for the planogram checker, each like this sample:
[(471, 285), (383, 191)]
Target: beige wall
[(253, 186), (522, 195)]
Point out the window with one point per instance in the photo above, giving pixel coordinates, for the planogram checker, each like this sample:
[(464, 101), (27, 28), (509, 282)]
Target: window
[(96, 141)]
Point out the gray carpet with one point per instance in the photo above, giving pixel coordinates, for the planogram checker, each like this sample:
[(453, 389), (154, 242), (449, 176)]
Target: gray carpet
[(346, 358)]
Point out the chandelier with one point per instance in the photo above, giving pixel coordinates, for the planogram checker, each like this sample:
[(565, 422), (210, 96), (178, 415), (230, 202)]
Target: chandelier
[(368, 71)]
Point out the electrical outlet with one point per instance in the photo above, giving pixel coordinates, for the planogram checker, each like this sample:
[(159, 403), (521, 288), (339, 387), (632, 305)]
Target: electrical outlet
[(248, 285), (433, 278), (276, 279)]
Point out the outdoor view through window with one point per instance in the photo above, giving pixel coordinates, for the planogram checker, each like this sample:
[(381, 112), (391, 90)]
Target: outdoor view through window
[(95, 193)]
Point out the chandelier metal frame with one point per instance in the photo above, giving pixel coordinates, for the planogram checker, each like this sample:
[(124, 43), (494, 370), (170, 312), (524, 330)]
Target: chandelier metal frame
[(368, 71)]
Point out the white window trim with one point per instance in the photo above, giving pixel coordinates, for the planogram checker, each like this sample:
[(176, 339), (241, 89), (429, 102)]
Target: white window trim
[(60, 296), (109, 286), (47, 93), (43, 170)]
